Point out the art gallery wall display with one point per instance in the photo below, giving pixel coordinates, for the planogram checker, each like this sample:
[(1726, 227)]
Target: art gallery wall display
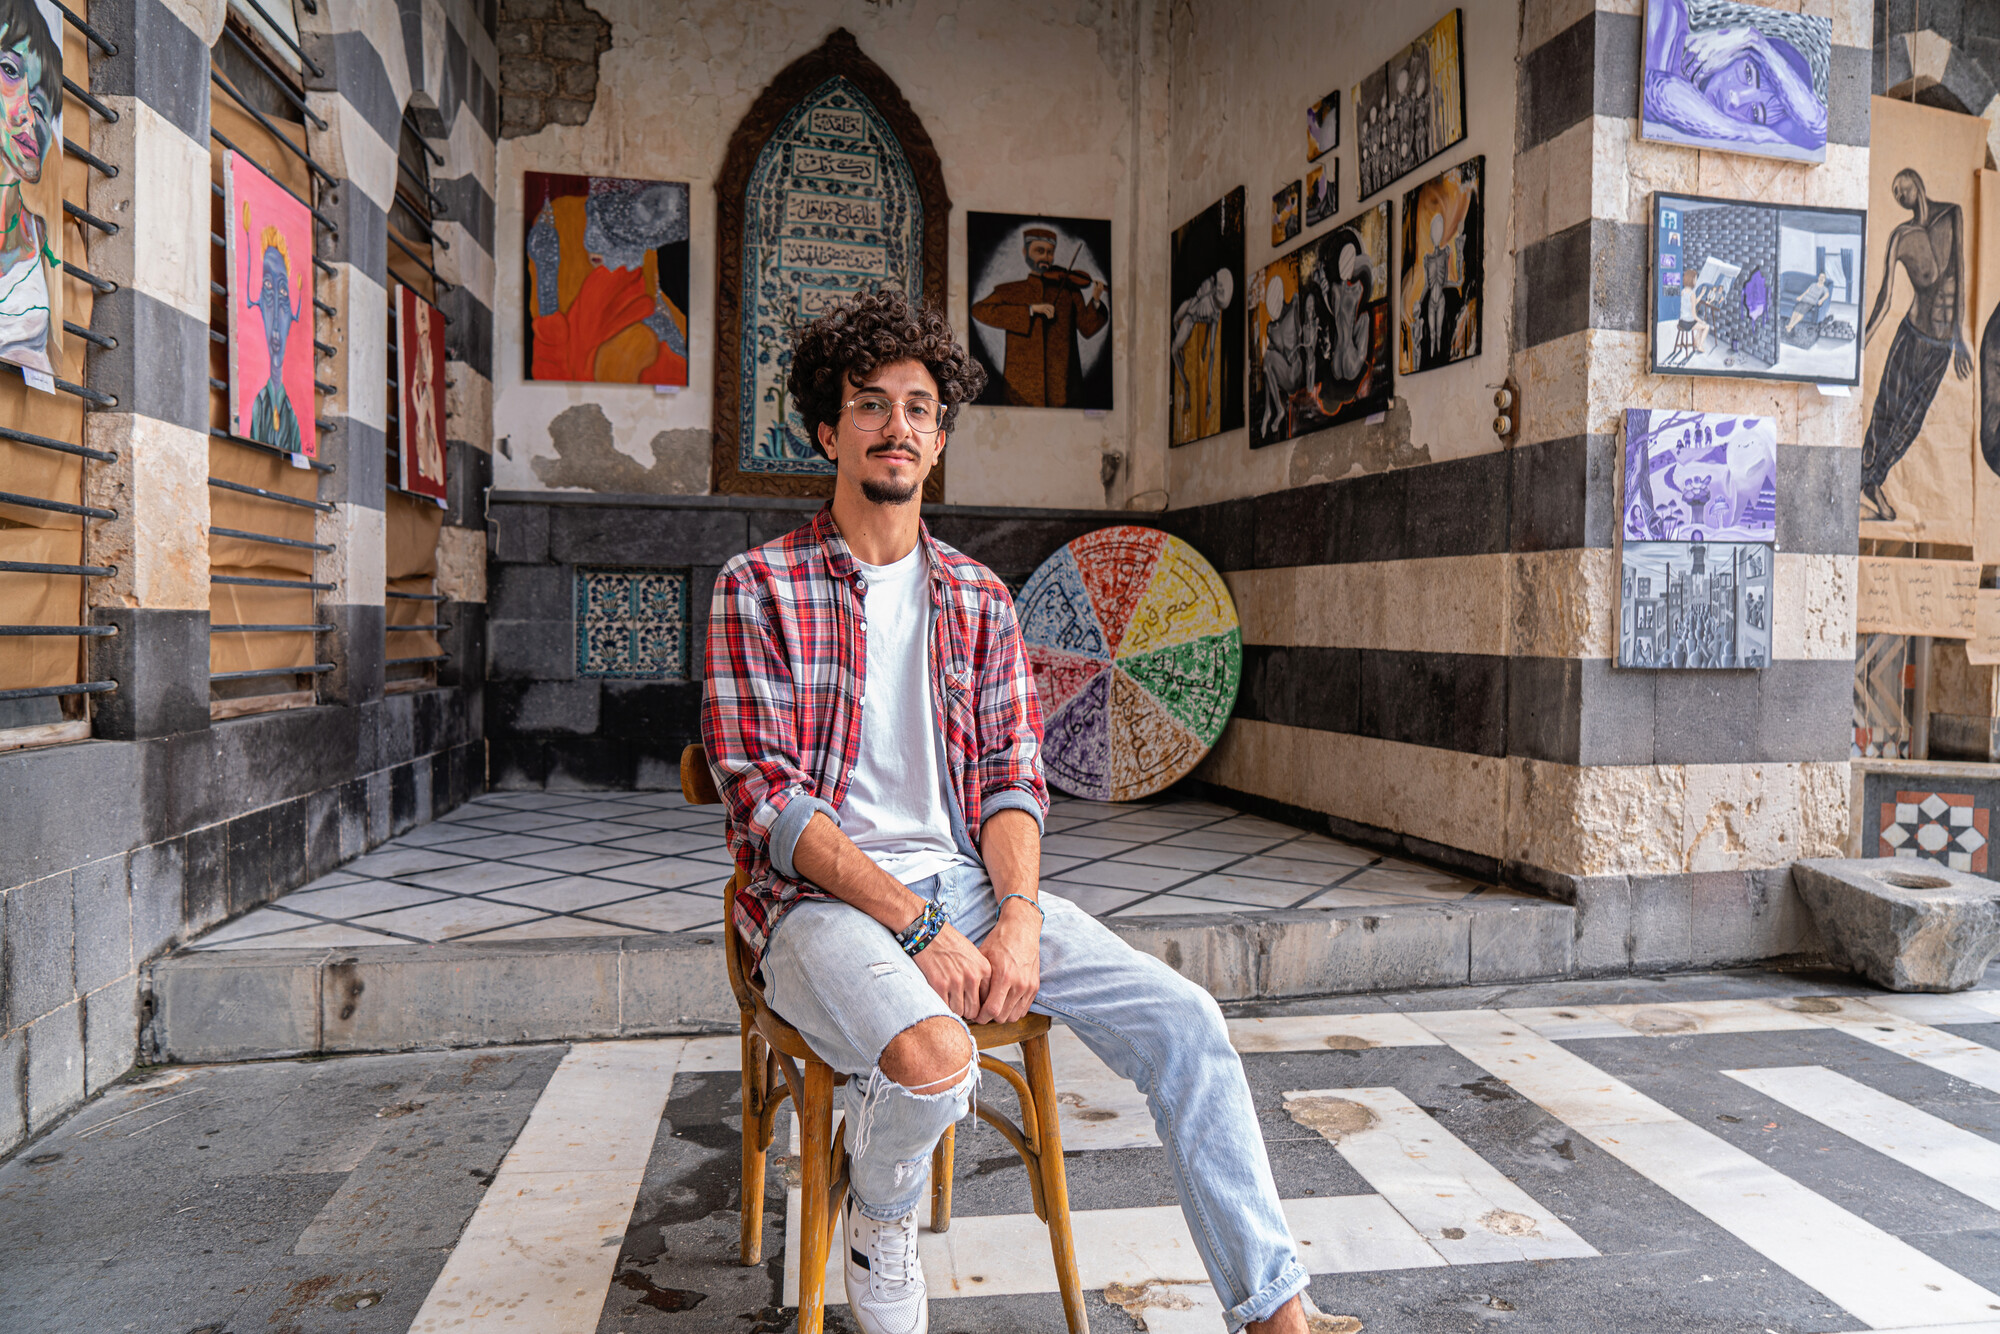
[(607, 279), (1757, 291), (1205, 376), (1739, 78), (1320, 331), (1441, 298), (1322, 192), (1986, 325), (31, 170), (1920, 393), (1323, 127), (1694, 604), (1285, 213), (421, 394), (269, 251), (1699, 477), (1041, 314), (830, 187), (1413, 108)]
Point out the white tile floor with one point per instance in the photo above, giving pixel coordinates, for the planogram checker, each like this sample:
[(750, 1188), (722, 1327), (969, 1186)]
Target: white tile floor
[(542, 865)]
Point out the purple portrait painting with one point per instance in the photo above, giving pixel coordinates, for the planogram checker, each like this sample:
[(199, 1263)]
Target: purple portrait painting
[(1736, 77)]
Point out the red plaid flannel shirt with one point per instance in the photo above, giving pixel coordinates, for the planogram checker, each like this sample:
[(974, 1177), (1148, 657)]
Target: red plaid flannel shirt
[(781, 717)]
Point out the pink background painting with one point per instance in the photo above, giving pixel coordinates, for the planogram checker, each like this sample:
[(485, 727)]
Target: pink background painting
[(270, 293), (420, 373)]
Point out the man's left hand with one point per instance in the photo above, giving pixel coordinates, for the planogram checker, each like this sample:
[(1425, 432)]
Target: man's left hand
[(1014, 949)]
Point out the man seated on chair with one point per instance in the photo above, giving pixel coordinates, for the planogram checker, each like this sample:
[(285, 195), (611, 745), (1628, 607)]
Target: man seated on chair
[(872, 724)]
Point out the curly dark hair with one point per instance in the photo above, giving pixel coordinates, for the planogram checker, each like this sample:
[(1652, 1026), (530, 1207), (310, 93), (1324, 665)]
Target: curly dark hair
[(858, 335)]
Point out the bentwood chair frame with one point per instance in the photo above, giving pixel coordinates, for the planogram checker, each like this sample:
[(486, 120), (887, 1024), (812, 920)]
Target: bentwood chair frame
[(778, 1064)]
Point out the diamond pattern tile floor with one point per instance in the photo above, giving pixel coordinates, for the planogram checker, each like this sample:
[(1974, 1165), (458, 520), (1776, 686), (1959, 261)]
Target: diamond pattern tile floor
[(545, 865)]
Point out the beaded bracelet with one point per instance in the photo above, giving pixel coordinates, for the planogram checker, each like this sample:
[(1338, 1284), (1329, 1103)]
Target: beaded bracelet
[(1025, 899), (923, 931)]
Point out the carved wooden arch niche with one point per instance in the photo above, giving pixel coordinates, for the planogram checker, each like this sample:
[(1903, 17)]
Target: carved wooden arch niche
[(831, 187)]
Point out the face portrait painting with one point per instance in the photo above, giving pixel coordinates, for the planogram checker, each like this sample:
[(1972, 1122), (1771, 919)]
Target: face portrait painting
[(31, 102), (1745, 79)]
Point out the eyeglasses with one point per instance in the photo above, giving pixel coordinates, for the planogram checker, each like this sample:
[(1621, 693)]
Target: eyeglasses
[(871, 412)]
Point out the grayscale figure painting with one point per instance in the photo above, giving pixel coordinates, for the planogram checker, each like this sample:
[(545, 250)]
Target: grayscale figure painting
[(1413, 108), (1206, 359), (1695, 604), (1319, 332)]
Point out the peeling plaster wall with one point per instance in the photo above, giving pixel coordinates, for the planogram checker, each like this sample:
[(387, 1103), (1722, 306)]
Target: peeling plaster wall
[(1033, 105), (1242, 77)]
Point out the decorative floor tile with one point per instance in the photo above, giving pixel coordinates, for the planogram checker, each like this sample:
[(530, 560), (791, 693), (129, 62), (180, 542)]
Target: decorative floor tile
[(1325, 851), (604, 809), (1093, 899), (1436, 883), (1078, 846), (440, 832), (665, 843), (1947, 827), (479, 877), (492, 847), (447, 919), (1164, 905), (322, 936), (1185, 859), (1121, 875), (670, 873), (1314, 874), (519, 822), (257, 922), (599, 831), (1164, 819), (667, 911), (1057, 864), (1346, 896), (1220, 842), (672, 817), (329, 880), (357, 899), (581, 859), (554, 928), (570, 892), (529, 801), (1245, 889), (631, 623), (386, 861)]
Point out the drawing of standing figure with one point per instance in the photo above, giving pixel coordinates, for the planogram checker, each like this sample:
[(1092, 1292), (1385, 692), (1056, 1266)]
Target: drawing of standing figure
[(1930, 249), (1197, 361), (272, 418), (31, 102)]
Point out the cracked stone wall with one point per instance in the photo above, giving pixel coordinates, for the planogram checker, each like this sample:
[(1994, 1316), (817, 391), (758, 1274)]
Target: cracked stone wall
[(548, 63)]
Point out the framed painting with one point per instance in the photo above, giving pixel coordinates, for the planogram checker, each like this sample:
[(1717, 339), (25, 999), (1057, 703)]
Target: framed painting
[(1736, 78), (269, 250), (1040, 318), (31, 172), (1694, 604), (830, 188), (1699, 477), (1756, 291), (421, 394), (1322, 192), (1323, 126), (1205, 285), (1440, 302), (1413, 108), (607, 279), (1285, 214), (1319, 332)]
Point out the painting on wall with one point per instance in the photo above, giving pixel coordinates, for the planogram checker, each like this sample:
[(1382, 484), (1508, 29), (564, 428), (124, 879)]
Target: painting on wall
[(1695, 604), (269, 251), (1441, 297), (31, 288), (420, 400), (1323, 127), (1757, 291), (1413, 108), (1319, 332), (1285, 214), (1041, 315), (1206, 371), (1738, 78), (830, 187), (1322, 192), (1919, 392), (1986, 323), (1699, 476), (607, 279)]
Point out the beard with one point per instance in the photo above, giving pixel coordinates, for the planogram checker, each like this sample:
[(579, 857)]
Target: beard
[(889, 493)]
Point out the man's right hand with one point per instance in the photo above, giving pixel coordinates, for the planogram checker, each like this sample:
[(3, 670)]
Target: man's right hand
[(1045, 309), (956, 970)]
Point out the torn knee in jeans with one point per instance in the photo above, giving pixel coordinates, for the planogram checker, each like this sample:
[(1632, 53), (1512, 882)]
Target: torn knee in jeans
[(930, 1056)]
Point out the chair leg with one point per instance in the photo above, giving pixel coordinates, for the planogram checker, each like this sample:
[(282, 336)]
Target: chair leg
[(1055, 1187), (941, 1166), (815, 1164), (750, 1248)]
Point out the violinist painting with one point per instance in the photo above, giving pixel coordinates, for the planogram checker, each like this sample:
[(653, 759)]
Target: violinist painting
[(1041, 313), (607, 279), (1738, 78), (270, 292), (1205, 372), (31, 94)]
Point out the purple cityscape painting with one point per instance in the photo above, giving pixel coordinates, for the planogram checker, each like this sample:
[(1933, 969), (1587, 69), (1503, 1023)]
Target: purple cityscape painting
[(1738, 78), (1699, 476)]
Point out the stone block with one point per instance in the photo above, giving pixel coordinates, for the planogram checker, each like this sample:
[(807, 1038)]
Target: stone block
[(378, 807), (336, 827), (1603, 925), (267, 854), (1661, 929), (1746, 916), (205, 885), (530, 592), (13, 1089), (102, 910), (553, 706), (157, 871), (55, 1064), (1397, 948), (1513, 941), (234, 1004), (40, 943), (675, 984), (617, 535), (110, 1033), (398, 999), (531, 650), (520, 534), (1904, 924)]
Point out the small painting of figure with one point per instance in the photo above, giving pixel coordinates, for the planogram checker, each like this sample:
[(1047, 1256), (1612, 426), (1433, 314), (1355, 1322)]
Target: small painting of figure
[(1323, 127), (1444, 268), (607, 279), (1322, 192), (1413, 108), (1702, 605), (1319, 332), (1041, 317), (31, 96), (420, 413), (1699, 476), (1739, 78), (270, 292), (1206, 370), (1285, 214)]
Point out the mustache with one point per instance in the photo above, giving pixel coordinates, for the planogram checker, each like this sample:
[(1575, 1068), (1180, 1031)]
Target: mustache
[(893, 448)]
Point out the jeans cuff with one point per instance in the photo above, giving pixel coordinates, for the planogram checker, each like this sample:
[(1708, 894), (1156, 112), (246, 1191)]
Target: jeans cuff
[(1264, 1303)]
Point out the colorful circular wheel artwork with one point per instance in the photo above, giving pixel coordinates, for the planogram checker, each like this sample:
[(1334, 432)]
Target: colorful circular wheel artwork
[(1137, 654)]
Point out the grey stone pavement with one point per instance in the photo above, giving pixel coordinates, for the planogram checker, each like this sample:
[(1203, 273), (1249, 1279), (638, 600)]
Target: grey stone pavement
[(1745, 1151)]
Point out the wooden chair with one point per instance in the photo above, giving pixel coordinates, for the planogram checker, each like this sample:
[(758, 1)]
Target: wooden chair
[(773, 1048)]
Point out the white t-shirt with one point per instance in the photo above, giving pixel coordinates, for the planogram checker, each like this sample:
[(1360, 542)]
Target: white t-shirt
[(896, 810)]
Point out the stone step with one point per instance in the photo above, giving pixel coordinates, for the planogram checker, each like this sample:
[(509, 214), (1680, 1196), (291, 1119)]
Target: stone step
[(228, 1005)]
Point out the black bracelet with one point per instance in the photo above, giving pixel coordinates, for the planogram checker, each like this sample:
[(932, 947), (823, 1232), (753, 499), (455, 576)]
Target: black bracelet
[(923, 931)]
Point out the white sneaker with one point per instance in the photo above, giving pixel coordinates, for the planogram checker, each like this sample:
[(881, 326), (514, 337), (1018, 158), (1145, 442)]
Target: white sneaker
[(885, 1278)]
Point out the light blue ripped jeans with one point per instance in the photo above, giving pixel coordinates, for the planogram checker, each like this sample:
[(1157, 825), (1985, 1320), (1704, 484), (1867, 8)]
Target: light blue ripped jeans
[(840, 978)]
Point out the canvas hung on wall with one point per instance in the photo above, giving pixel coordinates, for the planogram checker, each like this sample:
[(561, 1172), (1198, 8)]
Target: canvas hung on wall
[(1206, 288), (607, 279), (1322, 192), (1695, 604), (1319, 332), (1323, 127), (1285, 211), (1699, 476), (31, 290), (1413, 108), (269, 252), (1756, 291), (1440, 300), (1739, 78), (1041, 316), (420, 399)]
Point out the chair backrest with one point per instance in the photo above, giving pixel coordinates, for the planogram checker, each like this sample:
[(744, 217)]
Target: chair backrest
[(698, 786)]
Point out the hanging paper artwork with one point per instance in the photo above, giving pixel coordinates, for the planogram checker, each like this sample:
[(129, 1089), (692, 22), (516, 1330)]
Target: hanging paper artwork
[(1040, 287), (31, 93), (420, 410), (1206, 288), (1700, 476), (1735, 77), (1319, 332), (269, 249), (607, 279), (1413, 108), (1441, 299), (1323, 127)]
